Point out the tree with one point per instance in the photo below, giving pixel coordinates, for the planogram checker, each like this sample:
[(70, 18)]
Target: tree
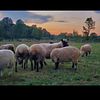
[(90, 24), (75, 33), (19, 21), (62, 35), (6, 25)]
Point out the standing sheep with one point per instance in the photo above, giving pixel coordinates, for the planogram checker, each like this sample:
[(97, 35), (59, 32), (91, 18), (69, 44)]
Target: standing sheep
[(7, 60), (38, 52), (70, 53), (8, 46), (22, 55), (85, 49)]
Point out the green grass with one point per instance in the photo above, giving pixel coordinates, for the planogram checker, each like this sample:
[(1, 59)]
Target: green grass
[(88, 72)]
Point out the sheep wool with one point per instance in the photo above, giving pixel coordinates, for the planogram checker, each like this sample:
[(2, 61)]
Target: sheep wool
[(22, 54), (7, 59), (8, 46), (85, 49), (70, 53)]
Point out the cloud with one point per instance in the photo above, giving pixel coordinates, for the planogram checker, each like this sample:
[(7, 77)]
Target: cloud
[(37, 18), (27, 16), (61, 21)]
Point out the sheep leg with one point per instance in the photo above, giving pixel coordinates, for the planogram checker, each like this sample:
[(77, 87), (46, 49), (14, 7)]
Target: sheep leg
[(22, 63), (34, 64), (1, 73), (75, 66), (45, 63), (16, 66), (89, 52), (56, 65), (86, 54), (72, 65), (25, 63), (37, 66), (41, 64), (31, 65)]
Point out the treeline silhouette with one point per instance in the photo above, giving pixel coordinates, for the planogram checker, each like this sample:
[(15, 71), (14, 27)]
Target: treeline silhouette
[(19, 30)]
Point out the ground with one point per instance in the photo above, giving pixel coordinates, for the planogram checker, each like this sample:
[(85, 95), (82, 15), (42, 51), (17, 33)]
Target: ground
[(88, 72)]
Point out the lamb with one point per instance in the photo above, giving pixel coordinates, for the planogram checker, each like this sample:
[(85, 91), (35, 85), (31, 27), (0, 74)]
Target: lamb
[(22, 55), (70, 53), (38, 52), (85, 49), (8, 46), (7, 60)]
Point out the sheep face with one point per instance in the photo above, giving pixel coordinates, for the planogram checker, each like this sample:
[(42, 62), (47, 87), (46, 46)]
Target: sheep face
[(65, 43)]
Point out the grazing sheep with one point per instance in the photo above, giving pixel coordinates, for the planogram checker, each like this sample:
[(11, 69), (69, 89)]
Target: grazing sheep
[(85, 49), (38, 52), (22, 55), (8, 46), (70, 53), (7, 60)]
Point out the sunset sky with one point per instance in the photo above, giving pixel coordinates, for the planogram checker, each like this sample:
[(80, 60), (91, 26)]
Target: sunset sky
[(55, 21)]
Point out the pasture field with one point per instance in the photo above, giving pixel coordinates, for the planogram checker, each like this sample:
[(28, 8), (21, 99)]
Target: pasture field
[(88, 72)]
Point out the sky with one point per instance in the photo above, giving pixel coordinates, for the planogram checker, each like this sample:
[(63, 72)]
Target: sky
[(55, 21)]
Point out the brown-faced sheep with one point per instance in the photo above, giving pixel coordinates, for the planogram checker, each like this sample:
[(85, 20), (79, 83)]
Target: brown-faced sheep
[(22, 55), (7, 60), (85, 49), (8, 46), (38, 52), (70, 53)]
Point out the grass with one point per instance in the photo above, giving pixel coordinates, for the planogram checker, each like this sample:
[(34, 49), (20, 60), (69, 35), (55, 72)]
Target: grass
[(88, 72)]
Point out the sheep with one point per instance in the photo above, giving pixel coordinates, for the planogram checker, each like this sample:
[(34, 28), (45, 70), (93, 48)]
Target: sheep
[(50, 47), (70, 53), (8, 46), (38, 52), (85, 49), (7, 60), (22, 55)]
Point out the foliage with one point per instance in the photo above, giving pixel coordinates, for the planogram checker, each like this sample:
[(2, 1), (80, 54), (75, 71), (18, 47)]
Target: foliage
[(19, 30), (90, 24)]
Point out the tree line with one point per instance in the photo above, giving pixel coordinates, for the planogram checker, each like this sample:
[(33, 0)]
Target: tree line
[(19, 30)]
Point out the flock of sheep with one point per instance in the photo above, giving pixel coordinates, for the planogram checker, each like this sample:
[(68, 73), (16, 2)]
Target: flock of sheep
[(58, 52)]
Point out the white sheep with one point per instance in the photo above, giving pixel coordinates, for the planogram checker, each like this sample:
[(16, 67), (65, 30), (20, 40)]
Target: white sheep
[(85, 49), (8, 46), (7, 60), (43, 51), (60, 55), (22, 55)]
